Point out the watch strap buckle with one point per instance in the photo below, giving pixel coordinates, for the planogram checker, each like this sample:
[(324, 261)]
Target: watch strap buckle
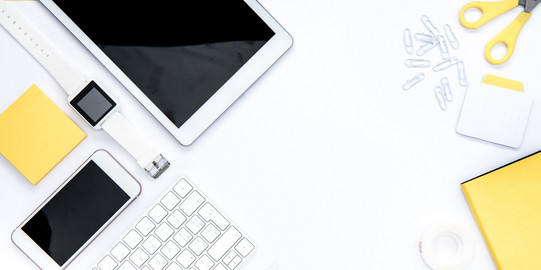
[(157, 166)]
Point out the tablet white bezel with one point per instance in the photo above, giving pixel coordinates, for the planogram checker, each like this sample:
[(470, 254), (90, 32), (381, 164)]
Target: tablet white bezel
[(116, 172), (221, 100)]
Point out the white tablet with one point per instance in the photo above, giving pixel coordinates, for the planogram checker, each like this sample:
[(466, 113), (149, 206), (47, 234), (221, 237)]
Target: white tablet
[(66, 222), (186, 61)]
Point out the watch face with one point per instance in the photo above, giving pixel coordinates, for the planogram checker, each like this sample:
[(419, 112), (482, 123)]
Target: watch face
[(93, 103)]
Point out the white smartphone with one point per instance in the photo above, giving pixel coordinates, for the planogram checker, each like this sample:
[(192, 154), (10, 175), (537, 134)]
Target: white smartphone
[(77, 212)]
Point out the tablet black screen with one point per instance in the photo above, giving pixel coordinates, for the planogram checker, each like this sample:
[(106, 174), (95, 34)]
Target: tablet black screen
[(75, 213), (178, 54)]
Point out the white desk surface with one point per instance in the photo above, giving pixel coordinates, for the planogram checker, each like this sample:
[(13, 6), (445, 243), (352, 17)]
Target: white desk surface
[(325, 161)]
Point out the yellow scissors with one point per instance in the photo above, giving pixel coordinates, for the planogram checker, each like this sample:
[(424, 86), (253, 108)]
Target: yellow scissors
[(509, 35)]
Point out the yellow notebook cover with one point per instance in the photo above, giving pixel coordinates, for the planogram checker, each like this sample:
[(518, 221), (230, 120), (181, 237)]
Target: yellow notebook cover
[(506, 204), (35, 135)]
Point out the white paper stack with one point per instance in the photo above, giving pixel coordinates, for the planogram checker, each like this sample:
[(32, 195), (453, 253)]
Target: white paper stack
[(495, 114)]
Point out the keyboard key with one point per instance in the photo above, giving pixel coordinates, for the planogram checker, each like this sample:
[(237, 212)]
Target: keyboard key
[(107, 263), (228, 239), (126, 266), (170, 200), (157, 213), (173, 266), (145, 226), (139, 257), (198, 245), (195, 224), (192, 203), (208, 213), (120, 252), (244, 247), (151, 244), (170, 250), (235, 262), (164, 232), (185, 258), (176, 219), (210, 233), (133, 239), (182, 188), (158, 262), (180, 231), (220, 267), (205, 263), (183, 237), (229, 257)]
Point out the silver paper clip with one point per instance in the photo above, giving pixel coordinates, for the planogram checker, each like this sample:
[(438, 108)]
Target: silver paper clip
[(462, 74), (444, 51), (430, 26), (446, 89), (424, 38), (426, 48), (413, 81), (445, 64), (451, 36), (440, 98), (408, 43), (417, 63)]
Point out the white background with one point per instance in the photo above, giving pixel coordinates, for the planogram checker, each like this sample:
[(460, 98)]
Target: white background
[(325, 161)]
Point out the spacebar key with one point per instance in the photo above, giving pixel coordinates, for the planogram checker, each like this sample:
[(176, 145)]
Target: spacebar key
[(230, 237)]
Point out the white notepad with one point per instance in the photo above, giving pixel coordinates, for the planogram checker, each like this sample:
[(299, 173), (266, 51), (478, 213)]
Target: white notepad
[(495, 114)]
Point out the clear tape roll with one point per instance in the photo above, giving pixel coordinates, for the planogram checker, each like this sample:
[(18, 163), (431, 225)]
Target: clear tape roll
[(464, 252)]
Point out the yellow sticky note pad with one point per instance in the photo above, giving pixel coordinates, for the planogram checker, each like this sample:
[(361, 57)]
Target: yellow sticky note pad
[(35, 135)]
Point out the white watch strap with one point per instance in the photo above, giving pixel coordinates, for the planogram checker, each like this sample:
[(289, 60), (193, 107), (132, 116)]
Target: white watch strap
[(73, 81), (59, 67), (138, 146)]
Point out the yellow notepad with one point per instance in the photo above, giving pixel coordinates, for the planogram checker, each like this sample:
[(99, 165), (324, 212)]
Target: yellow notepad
[(35, 135), (506, 204)]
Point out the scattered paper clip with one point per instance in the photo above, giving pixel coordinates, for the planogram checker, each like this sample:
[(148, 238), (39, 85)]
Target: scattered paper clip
[(430, 26), (408, 43), (413, 81), (445, 64), (453, 41), (424, 38), (462, 74), (417, 63), (426, 48), (440, 98), (444, 51), (446, 89)]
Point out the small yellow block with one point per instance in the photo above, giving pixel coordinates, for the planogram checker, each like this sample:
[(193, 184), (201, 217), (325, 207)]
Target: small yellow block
[(35, 135)]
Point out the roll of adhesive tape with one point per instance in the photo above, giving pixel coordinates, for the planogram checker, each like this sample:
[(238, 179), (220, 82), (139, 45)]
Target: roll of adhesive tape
[(464, 252)]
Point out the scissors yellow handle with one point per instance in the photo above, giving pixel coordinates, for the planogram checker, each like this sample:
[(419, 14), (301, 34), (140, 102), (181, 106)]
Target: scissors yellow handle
[(490, 10), (508, 37)]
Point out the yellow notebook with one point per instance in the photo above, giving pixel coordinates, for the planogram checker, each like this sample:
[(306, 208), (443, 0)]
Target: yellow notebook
[(35, 135), (506, 204)]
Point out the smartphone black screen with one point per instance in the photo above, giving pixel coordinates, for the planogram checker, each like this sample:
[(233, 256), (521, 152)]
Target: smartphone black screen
[(75, 213)]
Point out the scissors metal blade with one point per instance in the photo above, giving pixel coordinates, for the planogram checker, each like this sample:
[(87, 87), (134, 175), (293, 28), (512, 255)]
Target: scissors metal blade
[(529, 5)]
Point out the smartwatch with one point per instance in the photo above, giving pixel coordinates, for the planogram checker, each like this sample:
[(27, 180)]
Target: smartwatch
[(86, 97)]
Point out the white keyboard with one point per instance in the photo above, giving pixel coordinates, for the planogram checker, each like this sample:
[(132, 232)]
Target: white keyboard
[(182, 230)]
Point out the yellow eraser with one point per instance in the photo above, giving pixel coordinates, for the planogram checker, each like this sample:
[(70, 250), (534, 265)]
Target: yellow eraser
[(35, 135)]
